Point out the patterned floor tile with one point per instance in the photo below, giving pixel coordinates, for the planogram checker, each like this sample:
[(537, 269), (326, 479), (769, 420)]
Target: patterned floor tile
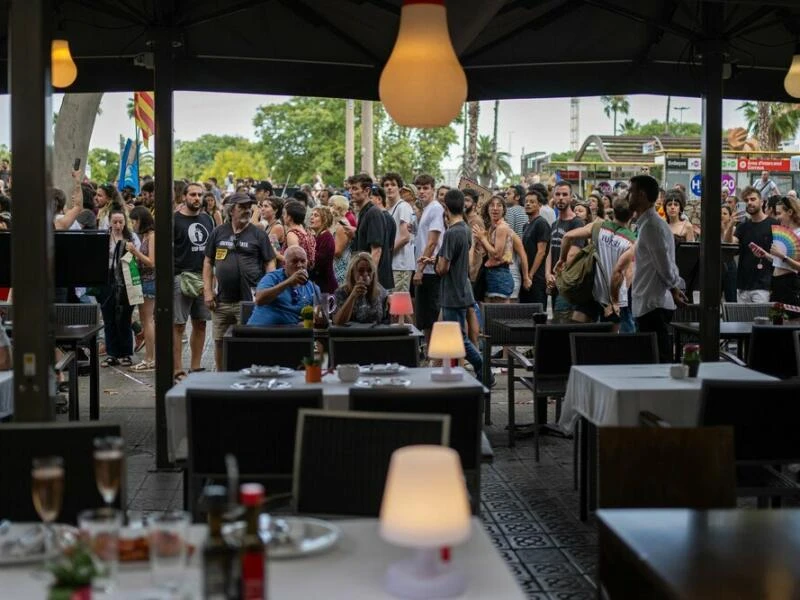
[(547, 569), (508, 556), (513, 516), (504, 505), (575, 539), (577, 595), (500, 542), (492, 529), (498, 496), (543, 555), (521, 528), (563, 583), (583, 557), (529, 541)]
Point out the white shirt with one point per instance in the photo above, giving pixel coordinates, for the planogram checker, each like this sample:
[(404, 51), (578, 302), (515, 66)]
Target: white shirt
[(548, 214), (403, 259), (432, 220), (656, 271)]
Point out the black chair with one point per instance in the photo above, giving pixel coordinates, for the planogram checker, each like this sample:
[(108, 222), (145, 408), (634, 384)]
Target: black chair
[(744, 312), (282, 346), (255, 426), (341, 458), (764, 417), (20, 443), (797, 348), (552, 359), (772, 350), (464, 408), (402, 349), (613, 348)]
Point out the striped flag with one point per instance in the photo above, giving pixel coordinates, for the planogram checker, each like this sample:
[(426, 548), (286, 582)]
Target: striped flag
[(143, 111)]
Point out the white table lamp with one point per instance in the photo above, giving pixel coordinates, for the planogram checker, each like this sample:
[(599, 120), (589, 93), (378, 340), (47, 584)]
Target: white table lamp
[(425, 507), (447, 342)]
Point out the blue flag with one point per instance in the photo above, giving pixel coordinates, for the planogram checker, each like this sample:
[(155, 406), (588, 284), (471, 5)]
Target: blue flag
[(129, 167)]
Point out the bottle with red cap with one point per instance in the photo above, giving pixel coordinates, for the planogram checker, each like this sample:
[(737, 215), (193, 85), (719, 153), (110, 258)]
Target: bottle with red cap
[(253, 553)]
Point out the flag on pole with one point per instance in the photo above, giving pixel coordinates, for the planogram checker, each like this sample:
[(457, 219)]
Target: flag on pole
[(129, 166), (144, 114)]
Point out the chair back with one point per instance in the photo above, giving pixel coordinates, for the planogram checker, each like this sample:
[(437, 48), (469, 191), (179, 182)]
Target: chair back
[(20, 443), (763, 415), (342, 458), (772, 350), (285, 347), (403, 350), (744, 312), (255, 426), (688, 313), (498, 335), (77, 314), (613, 348), (643, 467), (552, 354), (245, 310), (797, 348)]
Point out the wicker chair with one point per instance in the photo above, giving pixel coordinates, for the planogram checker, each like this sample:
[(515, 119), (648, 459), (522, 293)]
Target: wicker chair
[(744, 312), (772, 350)]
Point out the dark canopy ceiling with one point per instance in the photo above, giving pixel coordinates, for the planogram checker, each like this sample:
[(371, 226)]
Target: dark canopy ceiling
[(509, 48)]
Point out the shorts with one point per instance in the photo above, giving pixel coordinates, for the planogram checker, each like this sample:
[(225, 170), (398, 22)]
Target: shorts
[(499, 282), (225, 315), (786, 290), (402, 280), (149, 288), (427, 301), (596, 313), (562, 310), (185, 308), (752, 296)]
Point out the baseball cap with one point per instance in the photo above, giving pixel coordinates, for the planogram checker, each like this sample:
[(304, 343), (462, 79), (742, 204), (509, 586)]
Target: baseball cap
[(239, 198), (411, 188)]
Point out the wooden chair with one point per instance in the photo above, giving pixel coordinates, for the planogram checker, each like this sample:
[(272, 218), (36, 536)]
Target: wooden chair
[(282, 346), (613, 348), (20, 443), (464, 408), (772, 350), (257, 427), (342, 458), (744, 312), (644, 467)]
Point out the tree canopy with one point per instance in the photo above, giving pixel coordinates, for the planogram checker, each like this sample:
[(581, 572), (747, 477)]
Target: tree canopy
[(195, 157), (657, 128), (239, 161), (104, 164), (771, 122)]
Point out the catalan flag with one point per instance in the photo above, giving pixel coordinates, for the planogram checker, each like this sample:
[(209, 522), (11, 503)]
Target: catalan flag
[(143, 111)]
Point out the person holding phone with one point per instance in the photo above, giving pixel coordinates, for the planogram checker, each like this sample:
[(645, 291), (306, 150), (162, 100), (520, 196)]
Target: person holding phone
[(282, 294)]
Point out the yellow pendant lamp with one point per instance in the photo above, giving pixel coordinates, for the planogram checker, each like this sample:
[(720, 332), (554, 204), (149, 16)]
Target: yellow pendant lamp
[(62, 68), (423, 83), (792, 80)]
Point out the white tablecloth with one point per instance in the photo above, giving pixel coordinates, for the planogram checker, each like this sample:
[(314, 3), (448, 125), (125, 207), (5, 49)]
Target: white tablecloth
[(613, 395), (353, 570), (6, 393), (335, 396)]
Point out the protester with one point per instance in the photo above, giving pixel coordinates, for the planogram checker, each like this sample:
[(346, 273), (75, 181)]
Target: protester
[(322, 272), (385, 274), (766, 187), (343, 234), (106, 199), (427, 243), (144, 225), (361, 299), (294, 217), (566, 221), (370, 235), (674, 205), (536, 241), (210, 207), (282, 294), (497, 241), (403, 215), (728, 262)]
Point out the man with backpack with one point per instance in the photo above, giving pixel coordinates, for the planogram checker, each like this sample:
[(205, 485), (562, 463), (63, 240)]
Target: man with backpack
[(566, 221)]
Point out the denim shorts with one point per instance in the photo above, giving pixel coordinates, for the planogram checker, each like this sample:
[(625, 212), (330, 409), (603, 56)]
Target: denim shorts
[(499, 282), (149, 288)]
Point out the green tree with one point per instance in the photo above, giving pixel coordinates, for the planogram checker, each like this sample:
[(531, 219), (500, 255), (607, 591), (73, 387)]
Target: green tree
[(193, 157), (491, 162), (614, 105), (242, 162), (657, 128), (629, 127), (771, 122), (4, 152), (104, 164)]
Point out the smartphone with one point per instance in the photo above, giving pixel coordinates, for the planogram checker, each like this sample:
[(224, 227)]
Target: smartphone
[(76, 165)]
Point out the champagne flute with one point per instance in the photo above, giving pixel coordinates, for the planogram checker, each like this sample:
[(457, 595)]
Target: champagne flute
[(47, 488), (108, 455)]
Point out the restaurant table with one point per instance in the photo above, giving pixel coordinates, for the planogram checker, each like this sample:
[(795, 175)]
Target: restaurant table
[(335, 396), (70, 337), (728, 331), (6, 394), (696, 555), (614, 395), (353, 570)]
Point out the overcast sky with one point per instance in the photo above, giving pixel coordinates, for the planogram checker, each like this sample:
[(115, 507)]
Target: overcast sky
[(523, 124)]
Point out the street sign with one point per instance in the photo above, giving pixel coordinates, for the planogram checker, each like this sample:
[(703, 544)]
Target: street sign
[(649, 148), (764, 164), (677, 164), (602, 174), (695, 164), (729, 164), (697, 185), (728, 183)]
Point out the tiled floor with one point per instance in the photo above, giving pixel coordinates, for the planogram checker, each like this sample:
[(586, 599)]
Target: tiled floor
[(529, 509)]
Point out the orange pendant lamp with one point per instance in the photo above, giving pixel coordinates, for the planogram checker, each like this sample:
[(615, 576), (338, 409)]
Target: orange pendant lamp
[(62, 68), (423, 83), (792, 80)]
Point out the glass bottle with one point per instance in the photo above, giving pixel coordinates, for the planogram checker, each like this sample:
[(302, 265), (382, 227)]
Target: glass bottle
[(217, 555), (253, 553)]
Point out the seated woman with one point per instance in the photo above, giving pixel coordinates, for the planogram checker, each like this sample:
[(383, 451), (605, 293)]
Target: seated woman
[(283, 293), (5, 351), (361, 299)]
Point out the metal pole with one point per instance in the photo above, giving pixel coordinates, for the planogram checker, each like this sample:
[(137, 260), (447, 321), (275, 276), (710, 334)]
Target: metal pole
[(164, 257), (710, 252), (32, 240), (367, 133), (349, 139)]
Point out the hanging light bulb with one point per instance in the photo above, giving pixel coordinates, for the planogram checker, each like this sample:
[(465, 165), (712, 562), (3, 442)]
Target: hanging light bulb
[(62, 68), (792, 80), (423, 84)]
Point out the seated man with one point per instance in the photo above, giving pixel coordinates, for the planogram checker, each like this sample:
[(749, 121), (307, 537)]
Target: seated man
[(283, 293), (5, 351), (361, 299)]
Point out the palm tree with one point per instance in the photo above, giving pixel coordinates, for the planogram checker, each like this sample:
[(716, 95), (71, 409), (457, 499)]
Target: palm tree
[(471, 162), (491, 162), (771, 122), (615, 104), (629, 127)]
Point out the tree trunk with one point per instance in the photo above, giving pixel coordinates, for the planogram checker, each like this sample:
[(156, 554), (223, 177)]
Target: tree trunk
[(494, 143), (72, 135), (474, 111), (615, 121), (666, 121), (764, 141)]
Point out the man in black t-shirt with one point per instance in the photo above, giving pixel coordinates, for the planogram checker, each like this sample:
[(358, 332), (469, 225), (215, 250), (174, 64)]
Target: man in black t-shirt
[(385, 273), (370, 233), (536, 240), (190, 231), (239, 254), (753, 274)]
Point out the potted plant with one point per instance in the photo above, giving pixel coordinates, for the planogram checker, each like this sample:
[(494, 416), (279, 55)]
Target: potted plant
[(73, 575), (307, 314), (777, 314), (691, 358), (313, 369)]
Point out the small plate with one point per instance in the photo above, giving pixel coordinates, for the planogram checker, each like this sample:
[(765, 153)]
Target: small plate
[(261, 384), (48, 550), (302, 536), (261, 372), (382, 369), (378, 382)]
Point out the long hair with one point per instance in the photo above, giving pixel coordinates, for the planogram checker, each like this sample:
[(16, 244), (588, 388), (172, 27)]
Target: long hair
[(350, 277), (145, 218), (126, 232), (792, 204), (487, 220)]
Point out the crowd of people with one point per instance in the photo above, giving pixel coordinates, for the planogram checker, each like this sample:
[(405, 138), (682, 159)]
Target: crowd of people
[(451, 249)]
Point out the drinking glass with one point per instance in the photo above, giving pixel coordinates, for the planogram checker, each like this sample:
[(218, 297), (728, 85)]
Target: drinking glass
[(168, 548), (108, 456), (47, 487), (100, 530)]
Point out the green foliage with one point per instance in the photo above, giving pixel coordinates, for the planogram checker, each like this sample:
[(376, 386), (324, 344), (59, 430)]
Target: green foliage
[(104, 164), (562, 156), (613, 105), (782, 122), (242, 162), (491, 162), (193, 158), (656, 127), (4, 152)]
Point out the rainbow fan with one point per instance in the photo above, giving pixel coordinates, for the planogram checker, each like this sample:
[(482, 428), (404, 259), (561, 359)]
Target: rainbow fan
[(787, 240)]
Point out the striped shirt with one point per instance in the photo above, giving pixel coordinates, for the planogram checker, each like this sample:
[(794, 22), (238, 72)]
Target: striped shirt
[(517, 219)]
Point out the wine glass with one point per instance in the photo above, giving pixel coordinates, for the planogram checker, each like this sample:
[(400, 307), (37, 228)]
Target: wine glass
[(108, 455), (47, 488)]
